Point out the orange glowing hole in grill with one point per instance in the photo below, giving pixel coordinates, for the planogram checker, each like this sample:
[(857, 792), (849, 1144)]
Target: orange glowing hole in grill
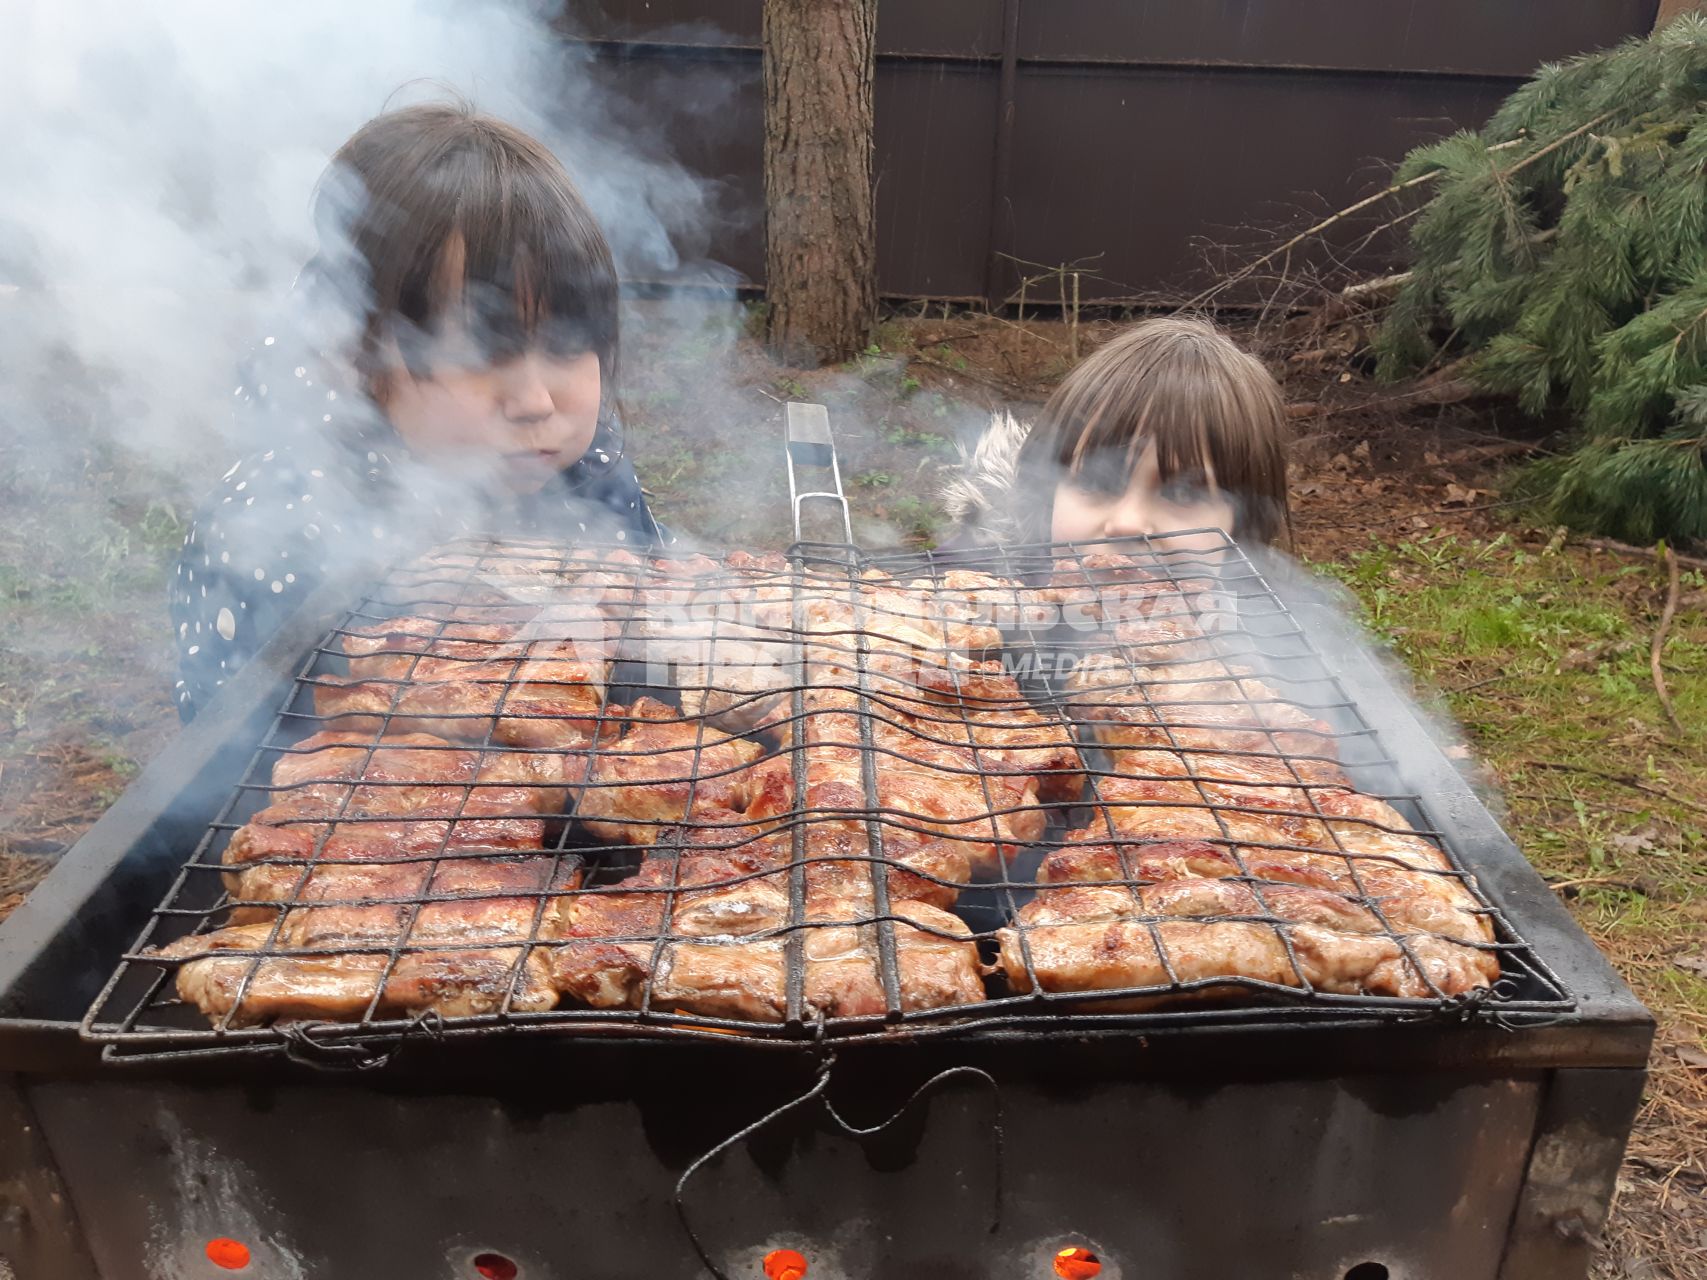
[(494, 1266), (1077, 1264), (785, 1264), (232, 1255)]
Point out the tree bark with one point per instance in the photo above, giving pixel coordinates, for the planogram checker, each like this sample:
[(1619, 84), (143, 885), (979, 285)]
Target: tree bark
[(1670, 9), (820, 226)]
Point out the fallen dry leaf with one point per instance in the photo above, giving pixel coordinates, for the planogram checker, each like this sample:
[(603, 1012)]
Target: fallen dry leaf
[(1692, 1056)]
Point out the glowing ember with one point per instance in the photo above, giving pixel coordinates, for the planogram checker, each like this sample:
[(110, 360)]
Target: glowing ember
[(1076, 1264), (785, 1264), (495, 1266), (232, 1255)]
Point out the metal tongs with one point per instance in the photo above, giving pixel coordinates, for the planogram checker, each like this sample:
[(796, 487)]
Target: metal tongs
[(809, 445)]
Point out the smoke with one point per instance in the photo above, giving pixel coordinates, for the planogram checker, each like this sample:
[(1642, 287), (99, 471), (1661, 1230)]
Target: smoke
[(159, 159)]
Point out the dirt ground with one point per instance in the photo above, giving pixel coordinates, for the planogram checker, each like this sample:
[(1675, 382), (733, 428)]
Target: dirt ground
[(1535, 643)]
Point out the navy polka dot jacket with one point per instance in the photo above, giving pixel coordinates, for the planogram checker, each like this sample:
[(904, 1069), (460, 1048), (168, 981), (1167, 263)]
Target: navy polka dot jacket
[(336, 489)]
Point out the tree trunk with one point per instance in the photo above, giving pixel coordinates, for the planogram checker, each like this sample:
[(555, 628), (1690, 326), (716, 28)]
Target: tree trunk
[(1670, 9), (820, 227)]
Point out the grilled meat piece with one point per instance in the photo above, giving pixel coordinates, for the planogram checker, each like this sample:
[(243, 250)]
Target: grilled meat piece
[(1202, 706), (464, 945), (1131, 935), (1007, 736), (1408, 899), (413, 792), (1215, 958), (1224, 777), (839, 858), (923, 784), (429, 649), (541, 694), (723, 964), (987, 817), (743, 639), (1341, 836), (667, 769)]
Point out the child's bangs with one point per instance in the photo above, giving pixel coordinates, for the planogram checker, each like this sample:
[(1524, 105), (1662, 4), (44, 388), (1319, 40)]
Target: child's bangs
[(1198, 419), (504, 294), (515, 264), (1118, 418)]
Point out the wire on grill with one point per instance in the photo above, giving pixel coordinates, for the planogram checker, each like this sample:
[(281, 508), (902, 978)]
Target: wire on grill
[(806, 797)]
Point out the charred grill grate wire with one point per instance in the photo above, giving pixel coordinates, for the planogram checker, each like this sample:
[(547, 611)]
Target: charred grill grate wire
[(139, 1012)]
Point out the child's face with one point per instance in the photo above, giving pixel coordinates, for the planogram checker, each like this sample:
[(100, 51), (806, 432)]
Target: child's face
[(530, 416), (1148, 506)]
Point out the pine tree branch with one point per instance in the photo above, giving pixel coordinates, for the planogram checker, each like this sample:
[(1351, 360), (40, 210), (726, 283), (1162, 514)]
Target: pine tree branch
[(1660, 641)]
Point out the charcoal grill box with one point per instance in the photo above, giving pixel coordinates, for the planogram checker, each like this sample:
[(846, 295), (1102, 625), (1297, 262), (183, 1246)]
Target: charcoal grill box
[(1458, 1145)]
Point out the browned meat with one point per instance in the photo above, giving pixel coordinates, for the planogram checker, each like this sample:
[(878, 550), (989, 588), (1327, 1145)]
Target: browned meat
[(1119, 936), (1225, 778), (983, 818), (1408, 899), (464, 945), (664, 770), (1125, 591), (732, 964), (1212, 959), (742, 639), (838, 858), (549, 701), (413, 792), (1201, 706), (1007, 736)]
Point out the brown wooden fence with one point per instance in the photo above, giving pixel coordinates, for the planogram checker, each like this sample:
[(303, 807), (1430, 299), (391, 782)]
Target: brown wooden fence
[(1122, 134)]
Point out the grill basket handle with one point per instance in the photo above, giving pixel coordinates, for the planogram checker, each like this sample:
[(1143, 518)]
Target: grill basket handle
[(809, 445)]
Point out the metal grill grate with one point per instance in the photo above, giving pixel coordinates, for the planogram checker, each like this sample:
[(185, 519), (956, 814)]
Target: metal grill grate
[(450, 907)]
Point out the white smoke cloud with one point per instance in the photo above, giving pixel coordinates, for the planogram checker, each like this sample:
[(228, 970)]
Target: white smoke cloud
[(159, 160)]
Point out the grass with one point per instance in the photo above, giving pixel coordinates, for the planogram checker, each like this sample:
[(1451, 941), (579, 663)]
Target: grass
[(1542, 655)]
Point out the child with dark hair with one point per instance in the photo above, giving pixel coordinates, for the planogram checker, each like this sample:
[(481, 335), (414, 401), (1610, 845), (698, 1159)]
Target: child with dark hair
[(450, 366), (1168, 430)]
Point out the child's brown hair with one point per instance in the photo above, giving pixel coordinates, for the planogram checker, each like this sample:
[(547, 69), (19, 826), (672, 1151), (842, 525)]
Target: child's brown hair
[(454, 219), (1183, 384)]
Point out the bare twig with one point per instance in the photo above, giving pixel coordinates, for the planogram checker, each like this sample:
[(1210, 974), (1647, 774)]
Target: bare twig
[(1481, 684), (1374, 288), (1634, 886), (1640, 553), (973, 375), (1660, 641), (1309, 233), (1030, 333), (1488, 452), (1073, 332), (1623, 780)]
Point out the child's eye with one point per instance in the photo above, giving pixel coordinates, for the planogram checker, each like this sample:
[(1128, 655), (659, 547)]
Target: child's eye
[(1184, 490), (561, 341), (1103, 475)]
